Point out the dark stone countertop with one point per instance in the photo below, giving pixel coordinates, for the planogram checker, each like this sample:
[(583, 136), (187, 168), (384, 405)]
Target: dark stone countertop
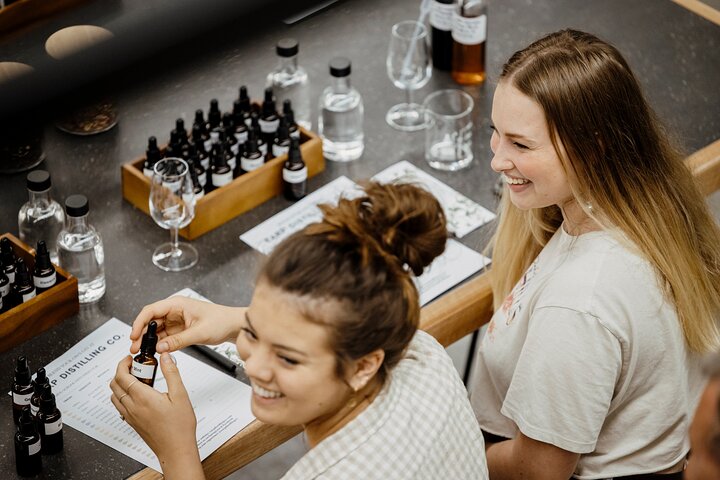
[(675, 54)]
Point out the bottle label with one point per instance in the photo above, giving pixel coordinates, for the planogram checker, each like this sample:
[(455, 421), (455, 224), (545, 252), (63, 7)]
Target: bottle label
[(441, 16), (208, 144), (469, 31), (232, 163), (29, 295), (5, 289), (295, 134), (263, 148), (279, 150), (147, 172), (202, 179), (11, 276), (34, 448), (241, 136), (142, 371), (222, 179), (54, 427), (205, 162), (235, 148), (22, 398), (295, 176), (248, 122), (269, 126), (250, 164), (45, 282), (34, 409)]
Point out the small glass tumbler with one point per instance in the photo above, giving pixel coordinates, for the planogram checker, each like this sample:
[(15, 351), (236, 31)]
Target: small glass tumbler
[(448, 132)]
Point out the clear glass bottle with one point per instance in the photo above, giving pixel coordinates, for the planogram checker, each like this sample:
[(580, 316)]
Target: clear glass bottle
[(41, 218), (469, 33), (80, 249), (340, 123), (289, 81)]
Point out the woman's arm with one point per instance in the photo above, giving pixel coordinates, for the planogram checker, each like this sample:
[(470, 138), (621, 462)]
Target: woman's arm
[(525, 458)]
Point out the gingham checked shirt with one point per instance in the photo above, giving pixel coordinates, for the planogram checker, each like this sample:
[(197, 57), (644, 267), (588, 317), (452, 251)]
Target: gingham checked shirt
[(420, 426)]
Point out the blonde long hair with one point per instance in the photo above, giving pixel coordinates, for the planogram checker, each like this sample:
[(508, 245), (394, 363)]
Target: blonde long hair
[(624, 171)]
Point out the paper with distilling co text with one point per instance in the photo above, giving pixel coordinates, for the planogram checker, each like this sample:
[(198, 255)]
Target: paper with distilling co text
[(457, 263), (81, 383)]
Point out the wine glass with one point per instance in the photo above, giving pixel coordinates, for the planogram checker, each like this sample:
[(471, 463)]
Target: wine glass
[(172, 206), (408, 66)]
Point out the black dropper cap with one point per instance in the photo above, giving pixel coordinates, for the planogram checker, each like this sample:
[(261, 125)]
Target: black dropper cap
[(294, 154), (40, 379), (6, 251), (22, 372), (26, 423), (283, 131), (268, 106), (77, 205), (340, 67), (244, 98), (149, 339), (228, 121), (22, 276), (42, 256), (47, 399), (153, 152), (287, 107), (38, 181), (287, 47), (214, 113)]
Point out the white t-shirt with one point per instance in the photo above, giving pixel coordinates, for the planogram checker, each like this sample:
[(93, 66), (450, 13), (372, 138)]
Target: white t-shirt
[(420, 426), (587, 354)]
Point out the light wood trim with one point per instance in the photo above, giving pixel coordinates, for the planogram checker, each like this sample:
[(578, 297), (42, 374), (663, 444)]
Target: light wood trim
[(451, 317), (702, 9), (705, 165)]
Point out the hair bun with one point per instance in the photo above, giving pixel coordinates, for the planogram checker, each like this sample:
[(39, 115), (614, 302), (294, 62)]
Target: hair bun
[(401, 221)]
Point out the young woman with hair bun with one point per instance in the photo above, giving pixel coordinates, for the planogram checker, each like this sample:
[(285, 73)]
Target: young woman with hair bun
[(330, 341)]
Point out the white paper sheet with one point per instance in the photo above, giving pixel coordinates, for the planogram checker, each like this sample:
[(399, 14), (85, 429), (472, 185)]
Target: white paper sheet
[(81, 376), (463, 215)]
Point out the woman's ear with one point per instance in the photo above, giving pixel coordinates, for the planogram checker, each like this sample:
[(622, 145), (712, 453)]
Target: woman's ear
[(365, 368)]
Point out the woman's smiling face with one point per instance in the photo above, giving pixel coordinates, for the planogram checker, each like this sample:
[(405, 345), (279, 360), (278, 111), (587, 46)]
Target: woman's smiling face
[(524, 153), (288, 360)]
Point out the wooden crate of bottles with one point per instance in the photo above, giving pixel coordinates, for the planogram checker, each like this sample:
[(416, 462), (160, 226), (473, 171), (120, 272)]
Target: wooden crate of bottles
[(38, 314), (223, 204)]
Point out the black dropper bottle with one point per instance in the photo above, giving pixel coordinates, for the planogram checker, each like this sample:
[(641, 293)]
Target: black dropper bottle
[(289, 114), (255, 127), (214, 115), (4, 288), (220, 173), (441, 18), (182, 134), (239, 117), (49, 422), (7, 255), (144, 365), (152, 155), (28, 459), (37, 383), (294, 173), (252, 158), (204, 134), (198, 141), (22, 388), (245, 106), (281, 144), (198, 187), (23, 289), (44, 275), (229, 126), (269, 118)]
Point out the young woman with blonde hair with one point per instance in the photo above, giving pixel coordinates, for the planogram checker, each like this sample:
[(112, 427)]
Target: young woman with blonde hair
[(606, 275), (330, 341)]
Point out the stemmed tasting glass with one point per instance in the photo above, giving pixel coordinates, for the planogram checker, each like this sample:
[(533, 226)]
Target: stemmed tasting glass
[(172, 206), (408, 66)]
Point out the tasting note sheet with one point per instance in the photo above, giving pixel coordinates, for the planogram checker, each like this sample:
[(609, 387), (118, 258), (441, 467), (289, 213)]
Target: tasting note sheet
[(81, 377)]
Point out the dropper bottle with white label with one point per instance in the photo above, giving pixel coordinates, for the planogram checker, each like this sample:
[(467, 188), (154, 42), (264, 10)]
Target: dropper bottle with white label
[(28, 460), (44, 275), (22, 388), (49, 421), (145, 364)]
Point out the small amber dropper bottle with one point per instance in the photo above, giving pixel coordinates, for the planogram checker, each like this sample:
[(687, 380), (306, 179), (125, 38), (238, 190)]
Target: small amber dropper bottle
[(144, 365)]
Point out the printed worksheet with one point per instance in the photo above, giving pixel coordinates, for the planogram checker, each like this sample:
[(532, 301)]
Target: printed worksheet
[(81, 377)]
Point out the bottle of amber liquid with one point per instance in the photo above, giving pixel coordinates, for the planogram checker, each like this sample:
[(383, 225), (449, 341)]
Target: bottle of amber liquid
[(469, 32), (144, 365)]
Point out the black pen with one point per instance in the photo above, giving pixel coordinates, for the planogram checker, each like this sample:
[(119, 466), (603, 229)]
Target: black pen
[(218, 358)]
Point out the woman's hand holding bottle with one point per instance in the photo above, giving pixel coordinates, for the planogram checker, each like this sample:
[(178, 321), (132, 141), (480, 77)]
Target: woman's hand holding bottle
[(184, 321)]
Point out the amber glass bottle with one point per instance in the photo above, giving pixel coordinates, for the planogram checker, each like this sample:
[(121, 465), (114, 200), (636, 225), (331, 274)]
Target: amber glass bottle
[(469, 34), (144, 365)]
